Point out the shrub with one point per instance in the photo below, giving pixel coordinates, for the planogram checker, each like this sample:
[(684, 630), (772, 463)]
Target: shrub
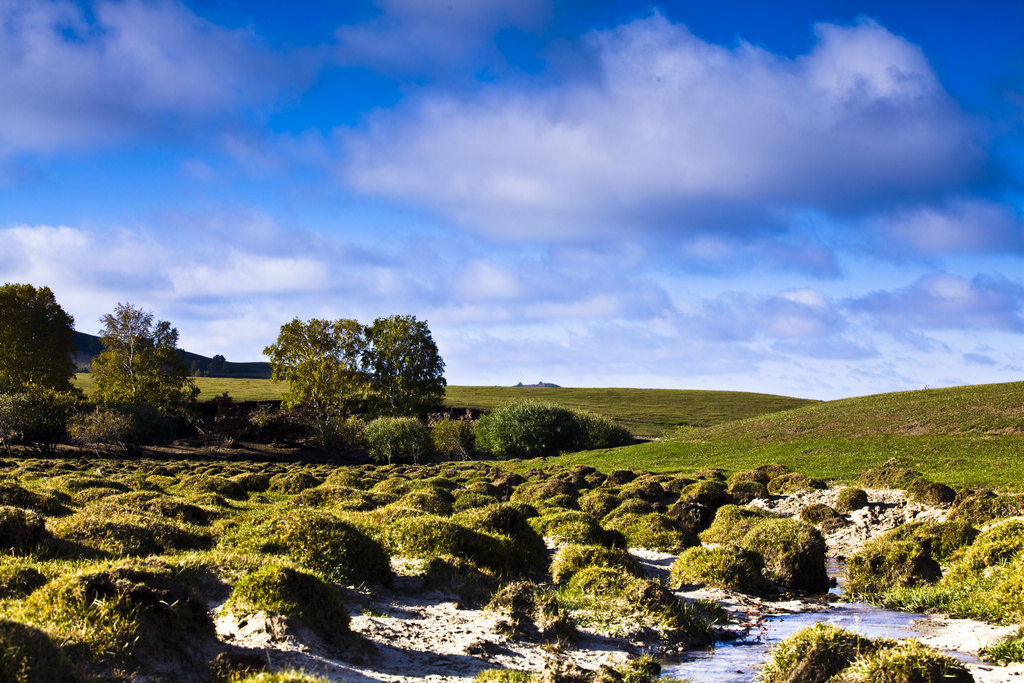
[(598, 431), (726, 566), (391, 439), (37, 417), (124, 426), (527, 429), (454, 439), (306, 598), (813, 655), (851, 499)]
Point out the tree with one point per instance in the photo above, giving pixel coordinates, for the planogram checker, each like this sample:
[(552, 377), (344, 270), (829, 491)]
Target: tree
[(406, 371), (37, 340), (322, 363), (141, 363)]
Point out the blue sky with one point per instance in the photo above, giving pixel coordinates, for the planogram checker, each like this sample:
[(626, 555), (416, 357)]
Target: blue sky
[(819, 199)]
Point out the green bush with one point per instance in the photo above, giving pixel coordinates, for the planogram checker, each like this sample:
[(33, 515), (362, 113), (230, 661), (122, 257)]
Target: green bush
[(454, 439), (394, 439), (598, 431), (126, 427), (38, 417), (725, 566), (306, 598), (527, 429)]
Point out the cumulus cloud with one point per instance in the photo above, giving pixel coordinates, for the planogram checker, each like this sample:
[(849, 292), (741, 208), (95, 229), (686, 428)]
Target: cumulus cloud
[(795, 314), (940, 301), (678, 135), (75, 76), (421, 36)]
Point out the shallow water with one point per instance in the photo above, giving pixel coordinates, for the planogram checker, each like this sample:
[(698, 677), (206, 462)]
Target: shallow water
[(738, 661)]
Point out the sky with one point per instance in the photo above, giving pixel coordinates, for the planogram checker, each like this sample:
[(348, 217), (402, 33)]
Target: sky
[(816, 199)]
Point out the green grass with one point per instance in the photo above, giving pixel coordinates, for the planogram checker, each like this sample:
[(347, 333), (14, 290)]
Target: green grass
[(644, 412), (239, 389)]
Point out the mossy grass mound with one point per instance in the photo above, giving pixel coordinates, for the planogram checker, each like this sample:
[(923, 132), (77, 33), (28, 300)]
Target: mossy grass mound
[(574, 557), (28, 655), (155, 504), (433, 500), (254, 482), (761, 473), (600, 592), (931, 493), (793, 551), (851, 498), (144, 615), (18, 579), (890, 477), (569, 526), (473, 585), (822, 516), (300, 596), (281, 677), (429, 536), (121, 534), (794, 482), (293, 482), (886, 562), (653, 531), (209, 483), (510, 521), (940, 539), (599, 502), (467, 500), (531, 612), (21, 531), (317, 541), (745, 490), (341, 498), (814, 655), (50, 503), (978, 506), (645, 488), (906, 662), (711, 493), (726, 566)]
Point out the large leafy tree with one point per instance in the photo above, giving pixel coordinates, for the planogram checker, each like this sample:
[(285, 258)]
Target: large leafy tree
[(140, 363), (322, 362), (406, 370), (37, 340)]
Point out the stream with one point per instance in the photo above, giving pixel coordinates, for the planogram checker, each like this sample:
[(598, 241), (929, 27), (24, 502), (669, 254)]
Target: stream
[(737, 661)]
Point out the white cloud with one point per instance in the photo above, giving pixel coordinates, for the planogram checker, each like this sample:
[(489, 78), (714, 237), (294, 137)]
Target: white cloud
[(675, 134), (961, 225), (77, 78)]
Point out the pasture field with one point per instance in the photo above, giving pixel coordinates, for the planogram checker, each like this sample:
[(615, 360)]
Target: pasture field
[(959, 436), (644, 412)]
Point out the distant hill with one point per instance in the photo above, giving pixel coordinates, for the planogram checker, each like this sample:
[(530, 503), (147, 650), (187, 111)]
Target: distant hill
[(89, 346), (547, 385)]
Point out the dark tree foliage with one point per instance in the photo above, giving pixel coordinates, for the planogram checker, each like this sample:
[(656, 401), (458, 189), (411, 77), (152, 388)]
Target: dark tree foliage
[(37, 340)]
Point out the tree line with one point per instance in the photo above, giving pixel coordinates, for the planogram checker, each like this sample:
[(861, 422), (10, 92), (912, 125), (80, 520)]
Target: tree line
[(374, 388)]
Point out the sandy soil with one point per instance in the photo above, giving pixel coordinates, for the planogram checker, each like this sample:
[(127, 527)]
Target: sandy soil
[(406, 634)]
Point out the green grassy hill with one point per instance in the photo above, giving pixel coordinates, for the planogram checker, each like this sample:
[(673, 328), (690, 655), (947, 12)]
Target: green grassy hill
[(971, 435), (644, 412)]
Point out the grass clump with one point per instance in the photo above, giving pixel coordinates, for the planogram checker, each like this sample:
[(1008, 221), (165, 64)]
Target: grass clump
[(28, 655), (794, 482), (293, 482), (745, 490), (510, 524), (932, 493), (125, 534), (822, 516), (306, 598), (979, 506), (814, 654), (213, 484), (531, 612), (726, 566), (851, 498), (21, 531), (569, 526), (574, 557), (885, 562), (654, 531), (907, 662), (429, 536), (18, 579), (1008, 650), (320, 542)]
